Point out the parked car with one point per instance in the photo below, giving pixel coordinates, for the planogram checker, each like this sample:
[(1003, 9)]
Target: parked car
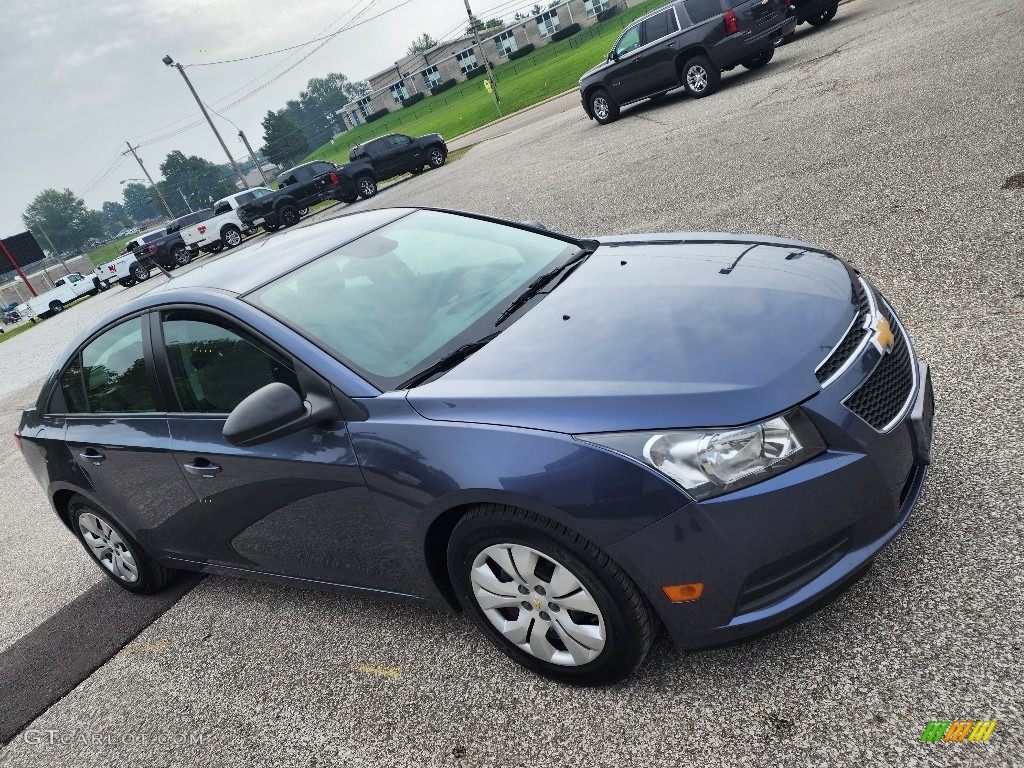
[(304, 186), (815, 12), (65, 290), (396, 153), (684, 44), (171, 251), (224, 229), (573, 440)]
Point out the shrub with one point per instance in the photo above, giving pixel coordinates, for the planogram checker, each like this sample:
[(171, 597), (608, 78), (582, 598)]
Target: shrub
[(376, 115), (442, 87), (561, 34), (476, 72), (526, 49), (605, 15), (416, 97)]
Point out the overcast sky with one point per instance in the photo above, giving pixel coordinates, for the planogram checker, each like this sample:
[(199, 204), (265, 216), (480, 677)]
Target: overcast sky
[(79, 77)]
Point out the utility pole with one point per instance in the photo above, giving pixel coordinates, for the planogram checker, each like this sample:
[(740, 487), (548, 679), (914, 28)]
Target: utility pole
[(154, 186), (53, 247), (202, 107), (185, 199), (255, 160), (487, 62)]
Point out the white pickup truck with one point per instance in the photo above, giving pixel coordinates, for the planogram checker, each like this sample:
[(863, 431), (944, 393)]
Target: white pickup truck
[(64, 291), (224, 229), (126, 269)]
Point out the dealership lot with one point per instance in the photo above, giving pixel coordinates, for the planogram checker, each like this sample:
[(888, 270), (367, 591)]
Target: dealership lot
[(874, 136)]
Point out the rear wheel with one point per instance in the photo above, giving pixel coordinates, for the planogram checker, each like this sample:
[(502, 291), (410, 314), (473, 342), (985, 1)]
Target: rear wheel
[(139, 273), (825, 16), (416, 171), (288, 215), (303, 211), (116, 553), (230, 236), (700, 77), (603, 107), (758, 61), (127, 282), (350, 198), (182, 256), (548, 598), (271, 227), (367, 186), (56, 307)]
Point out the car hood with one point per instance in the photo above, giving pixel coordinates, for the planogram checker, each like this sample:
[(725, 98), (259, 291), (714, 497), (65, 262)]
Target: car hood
[(676, 331), (591, 72)]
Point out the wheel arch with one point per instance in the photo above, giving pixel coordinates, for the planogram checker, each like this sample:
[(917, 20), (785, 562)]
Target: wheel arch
[(688, 53), (588, 93)]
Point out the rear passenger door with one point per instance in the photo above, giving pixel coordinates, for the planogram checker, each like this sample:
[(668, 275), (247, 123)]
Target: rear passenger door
[(661, 48), (382, 155)]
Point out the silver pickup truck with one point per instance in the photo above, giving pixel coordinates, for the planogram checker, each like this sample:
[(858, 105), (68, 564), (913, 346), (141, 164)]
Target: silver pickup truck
[(225, 229)]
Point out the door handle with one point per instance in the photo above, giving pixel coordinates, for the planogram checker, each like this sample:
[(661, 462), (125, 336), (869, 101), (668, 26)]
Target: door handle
[(635, 60), (206, 469), (91, 454), (672, 45)]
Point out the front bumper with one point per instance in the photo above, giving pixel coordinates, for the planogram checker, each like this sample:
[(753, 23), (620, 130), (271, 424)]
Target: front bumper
[(772, 551)]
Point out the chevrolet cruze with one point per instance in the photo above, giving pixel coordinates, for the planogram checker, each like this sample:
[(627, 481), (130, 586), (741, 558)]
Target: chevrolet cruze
[(578, 442)]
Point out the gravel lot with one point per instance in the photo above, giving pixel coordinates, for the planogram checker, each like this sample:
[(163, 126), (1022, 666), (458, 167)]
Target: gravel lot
[(887, 136)]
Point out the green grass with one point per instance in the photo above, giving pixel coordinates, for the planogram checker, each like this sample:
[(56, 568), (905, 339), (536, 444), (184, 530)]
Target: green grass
[(10, 333), (108, 251), (546, 72)]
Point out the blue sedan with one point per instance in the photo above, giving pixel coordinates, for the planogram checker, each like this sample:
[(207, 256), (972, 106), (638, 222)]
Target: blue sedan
[(578, 442)]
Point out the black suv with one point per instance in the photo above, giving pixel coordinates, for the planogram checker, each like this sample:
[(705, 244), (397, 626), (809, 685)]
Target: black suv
[(396, 153), (687, 43)]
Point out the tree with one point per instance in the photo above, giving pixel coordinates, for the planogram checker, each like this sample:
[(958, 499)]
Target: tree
[(141, 203), (115, 216), (475, 25), (193, 176), (494, 26), (422, 43), (359, 89), (283, 139), (64, 217)]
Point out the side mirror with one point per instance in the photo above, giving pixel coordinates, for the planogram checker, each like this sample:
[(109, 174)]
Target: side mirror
[(612, 56), (271, 411)]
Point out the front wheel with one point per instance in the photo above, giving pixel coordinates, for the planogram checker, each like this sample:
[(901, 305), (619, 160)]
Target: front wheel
[(436, 157), (303, 211), (825, 16), (700, 77), (548, 598), (758, 61), (603, 107), (271, 227), (116, 553), (367, 187), (416, 171), (288, 215)]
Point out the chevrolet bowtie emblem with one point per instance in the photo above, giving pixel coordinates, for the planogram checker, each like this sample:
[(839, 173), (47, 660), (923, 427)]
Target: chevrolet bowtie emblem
[(536, 602), (885, 338)]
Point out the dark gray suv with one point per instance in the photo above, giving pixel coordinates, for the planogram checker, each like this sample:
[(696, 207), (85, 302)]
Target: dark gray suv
[(687, 43)]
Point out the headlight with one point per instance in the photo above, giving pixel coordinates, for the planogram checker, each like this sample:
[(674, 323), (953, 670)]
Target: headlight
[(710, 462)]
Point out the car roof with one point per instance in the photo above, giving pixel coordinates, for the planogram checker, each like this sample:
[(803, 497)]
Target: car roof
[(245, 270)]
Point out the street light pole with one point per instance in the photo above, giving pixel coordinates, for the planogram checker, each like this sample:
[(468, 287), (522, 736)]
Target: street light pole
[(487, 62), (154, 186), (252, 155), (202, 107)]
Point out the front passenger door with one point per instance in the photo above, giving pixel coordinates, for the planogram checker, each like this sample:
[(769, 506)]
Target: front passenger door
[(296, 506), (409, 155)]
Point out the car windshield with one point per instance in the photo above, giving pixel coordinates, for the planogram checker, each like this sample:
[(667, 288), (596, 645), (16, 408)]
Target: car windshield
[(397, 299)]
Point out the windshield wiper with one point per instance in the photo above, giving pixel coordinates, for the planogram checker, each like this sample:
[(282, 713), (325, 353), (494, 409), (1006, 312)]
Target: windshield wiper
[(534, 288), (447, 362)]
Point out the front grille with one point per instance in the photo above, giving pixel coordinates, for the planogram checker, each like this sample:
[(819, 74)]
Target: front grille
[(886, 391), (844, 350), (784, 577)]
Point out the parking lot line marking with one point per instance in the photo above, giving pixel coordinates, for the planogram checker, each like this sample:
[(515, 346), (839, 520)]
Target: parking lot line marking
[(395, 673)]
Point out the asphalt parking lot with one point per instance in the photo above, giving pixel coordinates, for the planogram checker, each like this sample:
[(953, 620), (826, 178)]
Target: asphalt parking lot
[(887, 136)]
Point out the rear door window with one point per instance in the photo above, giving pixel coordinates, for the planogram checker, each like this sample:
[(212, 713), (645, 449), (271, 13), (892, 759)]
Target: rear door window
[(115, 372), (662, 25), (702, 10)]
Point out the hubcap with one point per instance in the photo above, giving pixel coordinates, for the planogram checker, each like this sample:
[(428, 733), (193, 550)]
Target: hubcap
[(697, 78), (538, 604), (436, 157), (233, 238), (108, 547), (181, 257), (367, 188), (601, 108)]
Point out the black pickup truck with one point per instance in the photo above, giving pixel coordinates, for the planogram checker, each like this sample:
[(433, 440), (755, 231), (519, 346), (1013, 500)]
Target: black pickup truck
[(171, 251), (306, 185)]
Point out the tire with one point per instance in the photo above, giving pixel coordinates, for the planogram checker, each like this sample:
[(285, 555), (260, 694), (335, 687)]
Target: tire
[(756, 62), (271, 227), (115, 552), (510, 602), (127, 282), (139, 273), (603, 107), (824, 17), (230, 237), (367, 187), (350, 198), (56, 307), (182, 256), (436, 157), (288, 215), (216, 247), (700, 77), (303, 211), (416, 171)]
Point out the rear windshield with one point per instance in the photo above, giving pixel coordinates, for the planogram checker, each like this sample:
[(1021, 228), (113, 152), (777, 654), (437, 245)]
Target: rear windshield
[(702, 10)]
